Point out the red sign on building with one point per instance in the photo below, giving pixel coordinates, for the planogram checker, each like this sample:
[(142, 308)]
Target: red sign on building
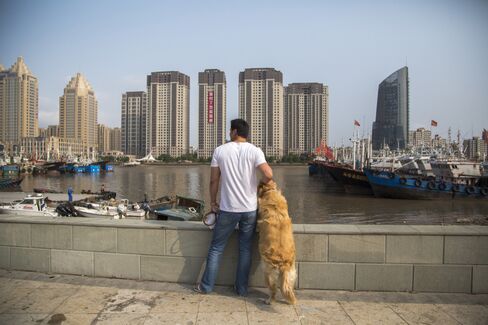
[(210, 105)]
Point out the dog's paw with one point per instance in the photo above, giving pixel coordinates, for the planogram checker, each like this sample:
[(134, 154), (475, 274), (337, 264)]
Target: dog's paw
[(268, 301)]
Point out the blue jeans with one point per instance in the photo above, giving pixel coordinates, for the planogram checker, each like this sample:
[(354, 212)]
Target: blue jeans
[(226, 223)]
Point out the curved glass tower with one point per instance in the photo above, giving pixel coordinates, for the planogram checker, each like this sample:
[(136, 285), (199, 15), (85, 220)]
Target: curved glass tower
[(391, 125)]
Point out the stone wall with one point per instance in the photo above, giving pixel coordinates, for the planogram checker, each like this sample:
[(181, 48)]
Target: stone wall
[(342, 257)]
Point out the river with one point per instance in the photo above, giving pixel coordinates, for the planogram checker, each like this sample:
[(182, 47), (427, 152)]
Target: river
[(310, 199)]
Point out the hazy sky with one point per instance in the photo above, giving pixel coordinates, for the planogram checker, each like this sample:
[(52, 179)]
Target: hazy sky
[(349, 45)]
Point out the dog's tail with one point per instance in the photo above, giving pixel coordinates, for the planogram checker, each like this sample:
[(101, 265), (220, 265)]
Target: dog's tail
[(288, 278)]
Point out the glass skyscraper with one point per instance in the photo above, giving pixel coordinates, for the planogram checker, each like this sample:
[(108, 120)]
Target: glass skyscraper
[(391, 125)]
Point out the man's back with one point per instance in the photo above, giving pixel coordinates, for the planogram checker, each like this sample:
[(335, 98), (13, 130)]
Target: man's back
[(238, 162)]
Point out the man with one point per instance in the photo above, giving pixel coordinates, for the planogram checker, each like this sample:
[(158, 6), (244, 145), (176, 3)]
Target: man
[(234, 166), (70, 194)]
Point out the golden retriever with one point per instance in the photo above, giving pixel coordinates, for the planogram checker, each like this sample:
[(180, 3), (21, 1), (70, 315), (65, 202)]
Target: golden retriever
[(276, 243)]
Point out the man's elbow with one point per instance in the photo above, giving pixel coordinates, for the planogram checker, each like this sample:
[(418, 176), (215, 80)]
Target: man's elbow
[(269, 173)]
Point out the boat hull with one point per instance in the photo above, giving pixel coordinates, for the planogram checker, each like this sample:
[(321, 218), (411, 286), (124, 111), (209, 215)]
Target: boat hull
[(92, 213), (353, 181), (27, 213), (389, 185)]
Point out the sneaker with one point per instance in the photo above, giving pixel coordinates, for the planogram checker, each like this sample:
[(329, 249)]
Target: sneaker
[(199, 290)]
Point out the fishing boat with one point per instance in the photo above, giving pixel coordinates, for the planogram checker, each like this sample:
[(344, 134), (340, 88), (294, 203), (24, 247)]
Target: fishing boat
[(31, 205), (353, 180), (393, 185), (10, 183), (181, 209)]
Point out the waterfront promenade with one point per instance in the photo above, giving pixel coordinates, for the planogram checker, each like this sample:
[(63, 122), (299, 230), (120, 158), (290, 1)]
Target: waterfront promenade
[(37, 298)]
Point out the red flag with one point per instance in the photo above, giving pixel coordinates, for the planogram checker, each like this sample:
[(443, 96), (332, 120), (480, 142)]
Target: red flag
[(356, 123), (433, 123)]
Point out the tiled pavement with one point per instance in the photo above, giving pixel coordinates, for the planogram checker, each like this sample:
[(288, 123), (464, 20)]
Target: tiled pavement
[(34, 298)]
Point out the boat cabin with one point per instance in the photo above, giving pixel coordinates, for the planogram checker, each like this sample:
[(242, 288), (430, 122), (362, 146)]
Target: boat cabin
[(456, 169)]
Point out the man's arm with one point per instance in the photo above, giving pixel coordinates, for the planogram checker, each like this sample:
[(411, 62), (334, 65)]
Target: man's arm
[(214, 187), (267, 172)]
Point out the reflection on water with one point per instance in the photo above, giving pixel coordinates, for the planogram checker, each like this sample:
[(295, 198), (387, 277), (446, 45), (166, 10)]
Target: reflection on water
[(310, 199)]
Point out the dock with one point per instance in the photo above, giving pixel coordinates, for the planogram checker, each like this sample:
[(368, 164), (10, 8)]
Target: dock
[(7, 197)]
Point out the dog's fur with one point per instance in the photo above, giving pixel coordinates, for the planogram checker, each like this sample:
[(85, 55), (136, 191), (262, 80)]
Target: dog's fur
[(276, 243)]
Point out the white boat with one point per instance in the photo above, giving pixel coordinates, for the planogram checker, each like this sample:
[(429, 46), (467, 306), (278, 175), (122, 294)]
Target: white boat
[(101, 212), (31, 205), (132, 163)]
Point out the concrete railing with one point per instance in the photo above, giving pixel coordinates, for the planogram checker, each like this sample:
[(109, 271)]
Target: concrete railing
[(342, 257)]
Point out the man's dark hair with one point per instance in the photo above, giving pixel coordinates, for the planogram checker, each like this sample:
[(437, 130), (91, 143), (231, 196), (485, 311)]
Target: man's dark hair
[(241, 126)]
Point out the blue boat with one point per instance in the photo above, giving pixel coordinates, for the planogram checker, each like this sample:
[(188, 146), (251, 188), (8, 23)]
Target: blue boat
[(392, 185), (92, 169)]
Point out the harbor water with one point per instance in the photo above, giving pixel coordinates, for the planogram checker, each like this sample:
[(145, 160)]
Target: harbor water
[(311, 199)]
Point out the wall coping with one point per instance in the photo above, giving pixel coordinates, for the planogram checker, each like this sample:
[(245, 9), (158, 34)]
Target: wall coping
[(335, 229)]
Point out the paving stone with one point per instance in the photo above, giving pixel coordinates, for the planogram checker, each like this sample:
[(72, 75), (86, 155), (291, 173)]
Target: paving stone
[(371, 313), (30, 259), (4, 257), (338, 276), (140, 241), (70, 319), (120, 318), (218, 303), (414, 249), (40, 301), (22, 319), (172, 302), (423, 314), (51, 236), (480, 279), (265, 317), (322, 312), (383, 277), (98, 239), (356, 248), (87, 300), (311, 247), (466, 250), (72, 262), (172, 319), (15, 234), (123, 266), (131, 301), (230, 317), (10, 295), (277, 313), (442, 278), (467, 314)]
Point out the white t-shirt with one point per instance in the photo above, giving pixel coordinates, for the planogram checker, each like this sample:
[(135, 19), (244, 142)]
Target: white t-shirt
[(238, 162)]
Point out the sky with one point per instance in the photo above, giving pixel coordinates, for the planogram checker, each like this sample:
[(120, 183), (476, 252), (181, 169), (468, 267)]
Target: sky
[(351, 46)]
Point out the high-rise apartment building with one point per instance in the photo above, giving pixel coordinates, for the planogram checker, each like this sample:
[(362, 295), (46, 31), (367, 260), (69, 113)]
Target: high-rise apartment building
[(115, 137), (134, 123), (261, 105), (78, 112), (103, 138), (475, 148), (168, 97), (53, 130), (392, 121), (484, 135), (420, 138), (306, 117), (212, 111), (19, 103)]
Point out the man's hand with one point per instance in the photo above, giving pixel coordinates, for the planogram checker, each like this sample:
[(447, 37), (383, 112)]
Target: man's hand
[(267, 173), (214, 207)]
